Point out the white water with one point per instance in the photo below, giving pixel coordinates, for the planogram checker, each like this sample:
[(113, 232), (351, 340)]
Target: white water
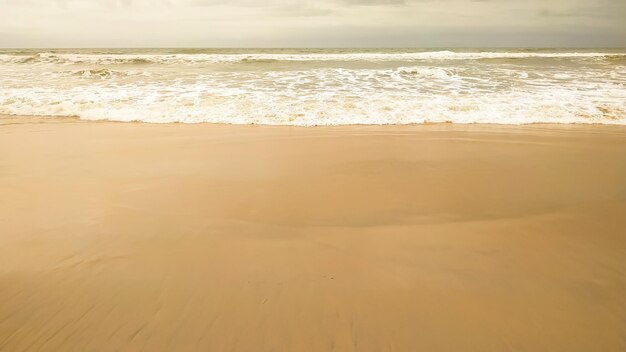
[(317, 87)]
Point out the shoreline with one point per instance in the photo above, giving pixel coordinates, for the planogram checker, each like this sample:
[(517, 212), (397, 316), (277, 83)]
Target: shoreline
[(131, 236), (19, 119)]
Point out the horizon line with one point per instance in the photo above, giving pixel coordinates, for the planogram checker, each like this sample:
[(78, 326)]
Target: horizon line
[(315, 47)]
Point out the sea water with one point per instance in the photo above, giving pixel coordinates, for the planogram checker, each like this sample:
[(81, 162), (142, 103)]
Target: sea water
[(309, 87)]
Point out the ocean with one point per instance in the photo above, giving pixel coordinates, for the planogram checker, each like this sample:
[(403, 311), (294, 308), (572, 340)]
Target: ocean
[(308, 87)]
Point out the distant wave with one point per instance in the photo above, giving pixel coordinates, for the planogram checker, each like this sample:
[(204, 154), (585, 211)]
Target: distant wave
[(138, 59)]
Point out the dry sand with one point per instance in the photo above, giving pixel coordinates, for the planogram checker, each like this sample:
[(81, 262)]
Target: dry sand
[(137, 237)]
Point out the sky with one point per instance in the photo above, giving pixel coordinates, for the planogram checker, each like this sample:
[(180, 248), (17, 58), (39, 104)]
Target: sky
[(322, 23)]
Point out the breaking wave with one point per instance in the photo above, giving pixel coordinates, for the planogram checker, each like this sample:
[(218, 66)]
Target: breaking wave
[(139, 59)]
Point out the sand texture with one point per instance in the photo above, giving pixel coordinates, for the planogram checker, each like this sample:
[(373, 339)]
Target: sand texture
[(138, 237)]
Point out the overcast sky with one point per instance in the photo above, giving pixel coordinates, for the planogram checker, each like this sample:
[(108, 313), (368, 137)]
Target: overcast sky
[(323, 23)]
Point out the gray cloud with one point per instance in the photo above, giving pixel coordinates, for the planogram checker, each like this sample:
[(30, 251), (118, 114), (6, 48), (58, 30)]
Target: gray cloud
[(609, 10), (26, 23)]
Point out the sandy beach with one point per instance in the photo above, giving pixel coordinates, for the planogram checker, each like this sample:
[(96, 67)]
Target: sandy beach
[(443, 237)]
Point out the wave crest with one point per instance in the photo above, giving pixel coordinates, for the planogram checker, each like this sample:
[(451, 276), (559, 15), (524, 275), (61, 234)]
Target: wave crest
[(191, 59)]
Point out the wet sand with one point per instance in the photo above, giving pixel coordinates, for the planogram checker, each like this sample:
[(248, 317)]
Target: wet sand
[(131, 237)]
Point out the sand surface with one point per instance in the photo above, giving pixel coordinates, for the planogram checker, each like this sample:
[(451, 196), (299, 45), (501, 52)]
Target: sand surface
[(137, 237)]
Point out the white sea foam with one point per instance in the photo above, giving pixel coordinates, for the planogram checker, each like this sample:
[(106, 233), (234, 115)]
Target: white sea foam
[(328, 88)]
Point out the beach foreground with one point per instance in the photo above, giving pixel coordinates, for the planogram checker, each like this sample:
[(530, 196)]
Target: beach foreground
[(129, 237)]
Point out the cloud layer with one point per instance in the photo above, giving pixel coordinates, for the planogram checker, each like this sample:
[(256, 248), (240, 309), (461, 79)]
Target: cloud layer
[(322, 23)]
